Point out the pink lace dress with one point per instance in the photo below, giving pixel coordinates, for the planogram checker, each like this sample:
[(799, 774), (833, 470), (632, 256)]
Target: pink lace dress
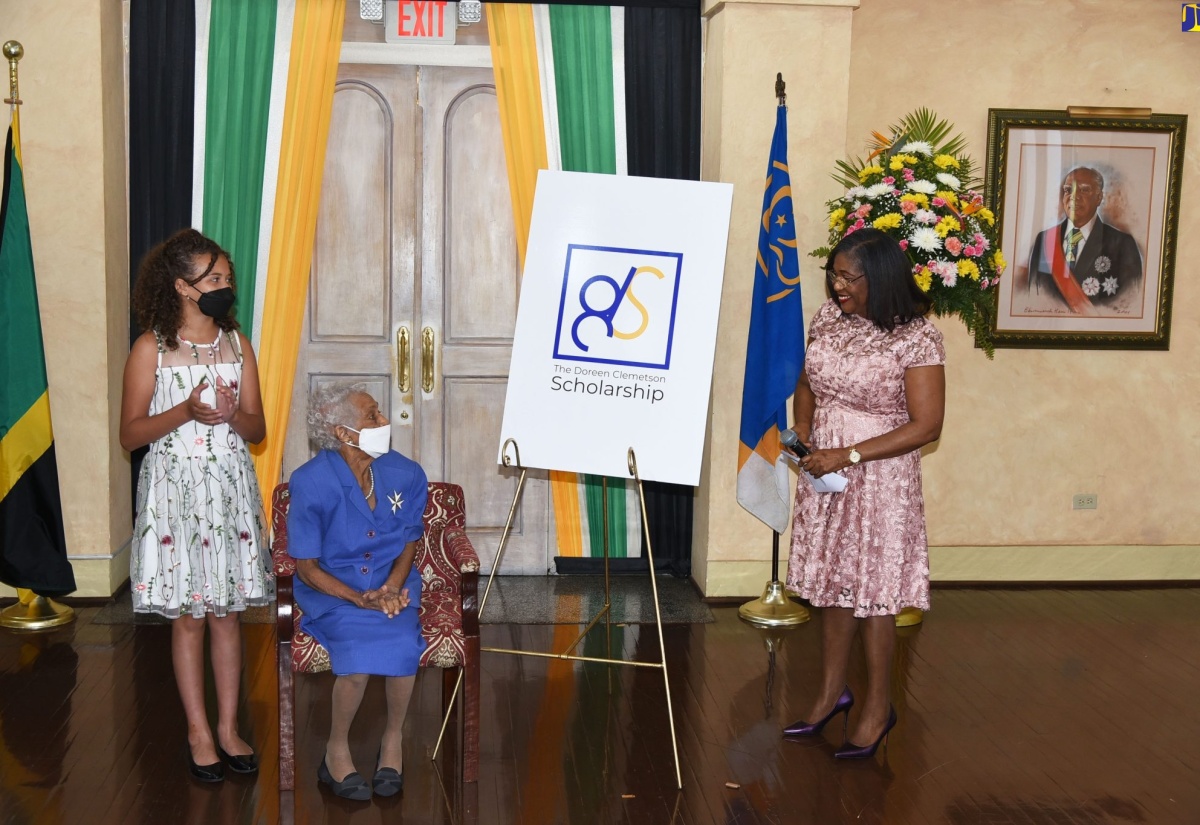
[(864, 548)]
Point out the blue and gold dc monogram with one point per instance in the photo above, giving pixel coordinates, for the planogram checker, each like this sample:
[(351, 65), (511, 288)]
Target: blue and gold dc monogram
[(1191, 17), (618, 306)]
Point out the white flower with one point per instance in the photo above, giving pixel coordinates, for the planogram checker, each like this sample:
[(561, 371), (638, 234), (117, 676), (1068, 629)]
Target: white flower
[(1090, 287), (1103, 264), (919, 146), (923, 186), (949, 180), (925, 239), (1110, 286), (925, 216), (856, 192), (877, 190)]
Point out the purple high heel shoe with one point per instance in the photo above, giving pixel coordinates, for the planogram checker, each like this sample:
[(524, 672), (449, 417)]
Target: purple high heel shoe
[(842, 705), (849, 750)]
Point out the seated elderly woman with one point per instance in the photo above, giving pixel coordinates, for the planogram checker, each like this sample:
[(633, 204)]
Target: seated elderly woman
[(354, 523)]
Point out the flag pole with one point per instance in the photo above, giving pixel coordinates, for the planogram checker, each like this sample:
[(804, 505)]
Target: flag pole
[(31, 612), (773, 608)]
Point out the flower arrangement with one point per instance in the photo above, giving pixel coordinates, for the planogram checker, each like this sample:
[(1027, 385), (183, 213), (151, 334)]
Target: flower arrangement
[(920, 187)]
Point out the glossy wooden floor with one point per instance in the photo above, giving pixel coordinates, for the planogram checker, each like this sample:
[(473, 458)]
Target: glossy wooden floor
[(1015, 707)]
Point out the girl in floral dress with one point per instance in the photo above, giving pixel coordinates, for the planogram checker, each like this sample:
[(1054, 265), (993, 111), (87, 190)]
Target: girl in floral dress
[(191, 392)]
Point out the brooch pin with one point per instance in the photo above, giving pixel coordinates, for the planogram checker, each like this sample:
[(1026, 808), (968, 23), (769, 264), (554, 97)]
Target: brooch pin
[(396, 500), (1103, 264)]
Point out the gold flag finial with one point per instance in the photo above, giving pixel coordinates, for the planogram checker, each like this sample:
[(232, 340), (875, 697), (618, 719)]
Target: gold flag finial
[(779, 88), (13, 52)]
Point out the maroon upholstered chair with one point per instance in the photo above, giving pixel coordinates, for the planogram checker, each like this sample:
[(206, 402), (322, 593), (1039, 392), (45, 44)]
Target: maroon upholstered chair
[(449, 618)]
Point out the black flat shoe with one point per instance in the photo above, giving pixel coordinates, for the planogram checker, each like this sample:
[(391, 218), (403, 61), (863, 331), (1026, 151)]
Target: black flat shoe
[(205, 773), (387, 782), (352, 787), (245, 763)]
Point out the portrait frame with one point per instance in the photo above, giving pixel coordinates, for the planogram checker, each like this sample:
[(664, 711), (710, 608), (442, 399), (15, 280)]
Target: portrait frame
[(1108, 284)]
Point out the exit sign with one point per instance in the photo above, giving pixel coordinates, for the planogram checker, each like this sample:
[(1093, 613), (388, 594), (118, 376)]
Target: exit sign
[(420, 21)]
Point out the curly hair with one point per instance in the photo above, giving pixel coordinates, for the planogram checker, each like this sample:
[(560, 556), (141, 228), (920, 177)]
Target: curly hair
[(155, 302), (329, 406)]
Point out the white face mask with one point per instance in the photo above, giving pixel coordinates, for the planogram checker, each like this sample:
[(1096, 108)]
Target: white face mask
[(374, 441)]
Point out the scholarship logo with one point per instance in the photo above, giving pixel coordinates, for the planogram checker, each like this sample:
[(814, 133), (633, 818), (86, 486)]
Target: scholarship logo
[(618, 306), (1191, 17)]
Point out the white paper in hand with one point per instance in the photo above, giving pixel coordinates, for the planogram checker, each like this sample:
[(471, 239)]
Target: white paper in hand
[(828, 483)]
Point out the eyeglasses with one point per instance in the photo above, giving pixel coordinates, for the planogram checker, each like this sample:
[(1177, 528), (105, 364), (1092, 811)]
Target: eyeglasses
[(1081, 189), (834, 279)]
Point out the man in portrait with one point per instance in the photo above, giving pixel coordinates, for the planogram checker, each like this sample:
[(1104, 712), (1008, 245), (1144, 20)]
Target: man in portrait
[(1089, 266)]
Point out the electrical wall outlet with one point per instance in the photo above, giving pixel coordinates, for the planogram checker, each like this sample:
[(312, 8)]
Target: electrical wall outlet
[(1084, 501)]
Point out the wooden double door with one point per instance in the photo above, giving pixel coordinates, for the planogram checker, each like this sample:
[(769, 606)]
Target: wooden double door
[(414, 286)]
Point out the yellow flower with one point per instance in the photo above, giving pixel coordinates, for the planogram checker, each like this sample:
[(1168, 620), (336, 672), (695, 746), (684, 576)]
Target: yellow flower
[(999, 262), (868, 171), (915, 197), (889, 221), (987, 215), (968, 268), (898, 161), (947, 225), (949, 197), (924, 279), (945, 162), (835, 217)]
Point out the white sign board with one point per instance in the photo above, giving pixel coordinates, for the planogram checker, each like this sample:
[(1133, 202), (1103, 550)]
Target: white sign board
[(617, 324)]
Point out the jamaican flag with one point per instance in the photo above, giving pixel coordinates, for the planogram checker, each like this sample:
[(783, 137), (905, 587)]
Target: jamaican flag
[(33, 549)]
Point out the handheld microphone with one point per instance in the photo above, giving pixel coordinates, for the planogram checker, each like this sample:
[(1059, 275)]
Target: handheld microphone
[(792, 442)]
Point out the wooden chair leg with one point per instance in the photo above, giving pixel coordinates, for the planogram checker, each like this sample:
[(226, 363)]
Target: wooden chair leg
[(449, 677), (470, 711), (287, 719)]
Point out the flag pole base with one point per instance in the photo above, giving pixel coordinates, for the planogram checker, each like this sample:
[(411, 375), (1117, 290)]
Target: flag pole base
[(34, 612), (909, 616), (774, 609)]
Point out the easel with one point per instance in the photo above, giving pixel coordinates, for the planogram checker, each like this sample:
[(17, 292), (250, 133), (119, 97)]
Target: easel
[(604, 612)]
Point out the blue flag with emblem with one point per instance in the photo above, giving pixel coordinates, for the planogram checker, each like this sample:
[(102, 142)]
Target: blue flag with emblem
[(775, 347)]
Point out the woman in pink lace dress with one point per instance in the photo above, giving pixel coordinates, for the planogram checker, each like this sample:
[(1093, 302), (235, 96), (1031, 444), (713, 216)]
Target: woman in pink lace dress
[(871, 395)]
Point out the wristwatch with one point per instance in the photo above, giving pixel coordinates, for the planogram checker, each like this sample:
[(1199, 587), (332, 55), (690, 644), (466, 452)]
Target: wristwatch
[(855, 455)]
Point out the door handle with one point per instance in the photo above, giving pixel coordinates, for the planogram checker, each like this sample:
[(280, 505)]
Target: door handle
[(427, 359), (403, 360)]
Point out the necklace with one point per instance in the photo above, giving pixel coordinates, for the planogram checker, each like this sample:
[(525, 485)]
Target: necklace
[(371, 490)]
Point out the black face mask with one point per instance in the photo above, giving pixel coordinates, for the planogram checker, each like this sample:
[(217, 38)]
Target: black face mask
[(216, 304)]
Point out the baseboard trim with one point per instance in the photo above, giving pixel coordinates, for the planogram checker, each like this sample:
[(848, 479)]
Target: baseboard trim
[(1028, 566)]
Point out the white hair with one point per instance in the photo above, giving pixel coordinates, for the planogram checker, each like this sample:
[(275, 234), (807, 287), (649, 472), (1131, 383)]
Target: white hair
[(329, 406)]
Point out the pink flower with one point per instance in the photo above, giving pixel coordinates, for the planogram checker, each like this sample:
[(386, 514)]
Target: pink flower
[(244, 535), (970, 251), (199, 441), (981, 242), (141, 587), (167, 541), (233, 384), (908, 207), (196, 597), (954, 245), (863, 210), (904, 244), (939, 202), (204, 542), (909, 175), (889, 180), (949, 279), (983, 284)]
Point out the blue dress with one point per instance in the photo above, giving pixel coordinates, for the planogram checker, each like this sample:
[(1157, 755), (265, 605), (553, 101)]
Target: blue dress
[(329, 520)]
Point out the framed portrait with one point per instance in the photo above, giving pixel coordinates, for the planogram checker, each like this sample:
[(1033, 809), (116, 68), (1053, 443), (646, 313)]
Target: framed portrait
[(1087, 211)]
